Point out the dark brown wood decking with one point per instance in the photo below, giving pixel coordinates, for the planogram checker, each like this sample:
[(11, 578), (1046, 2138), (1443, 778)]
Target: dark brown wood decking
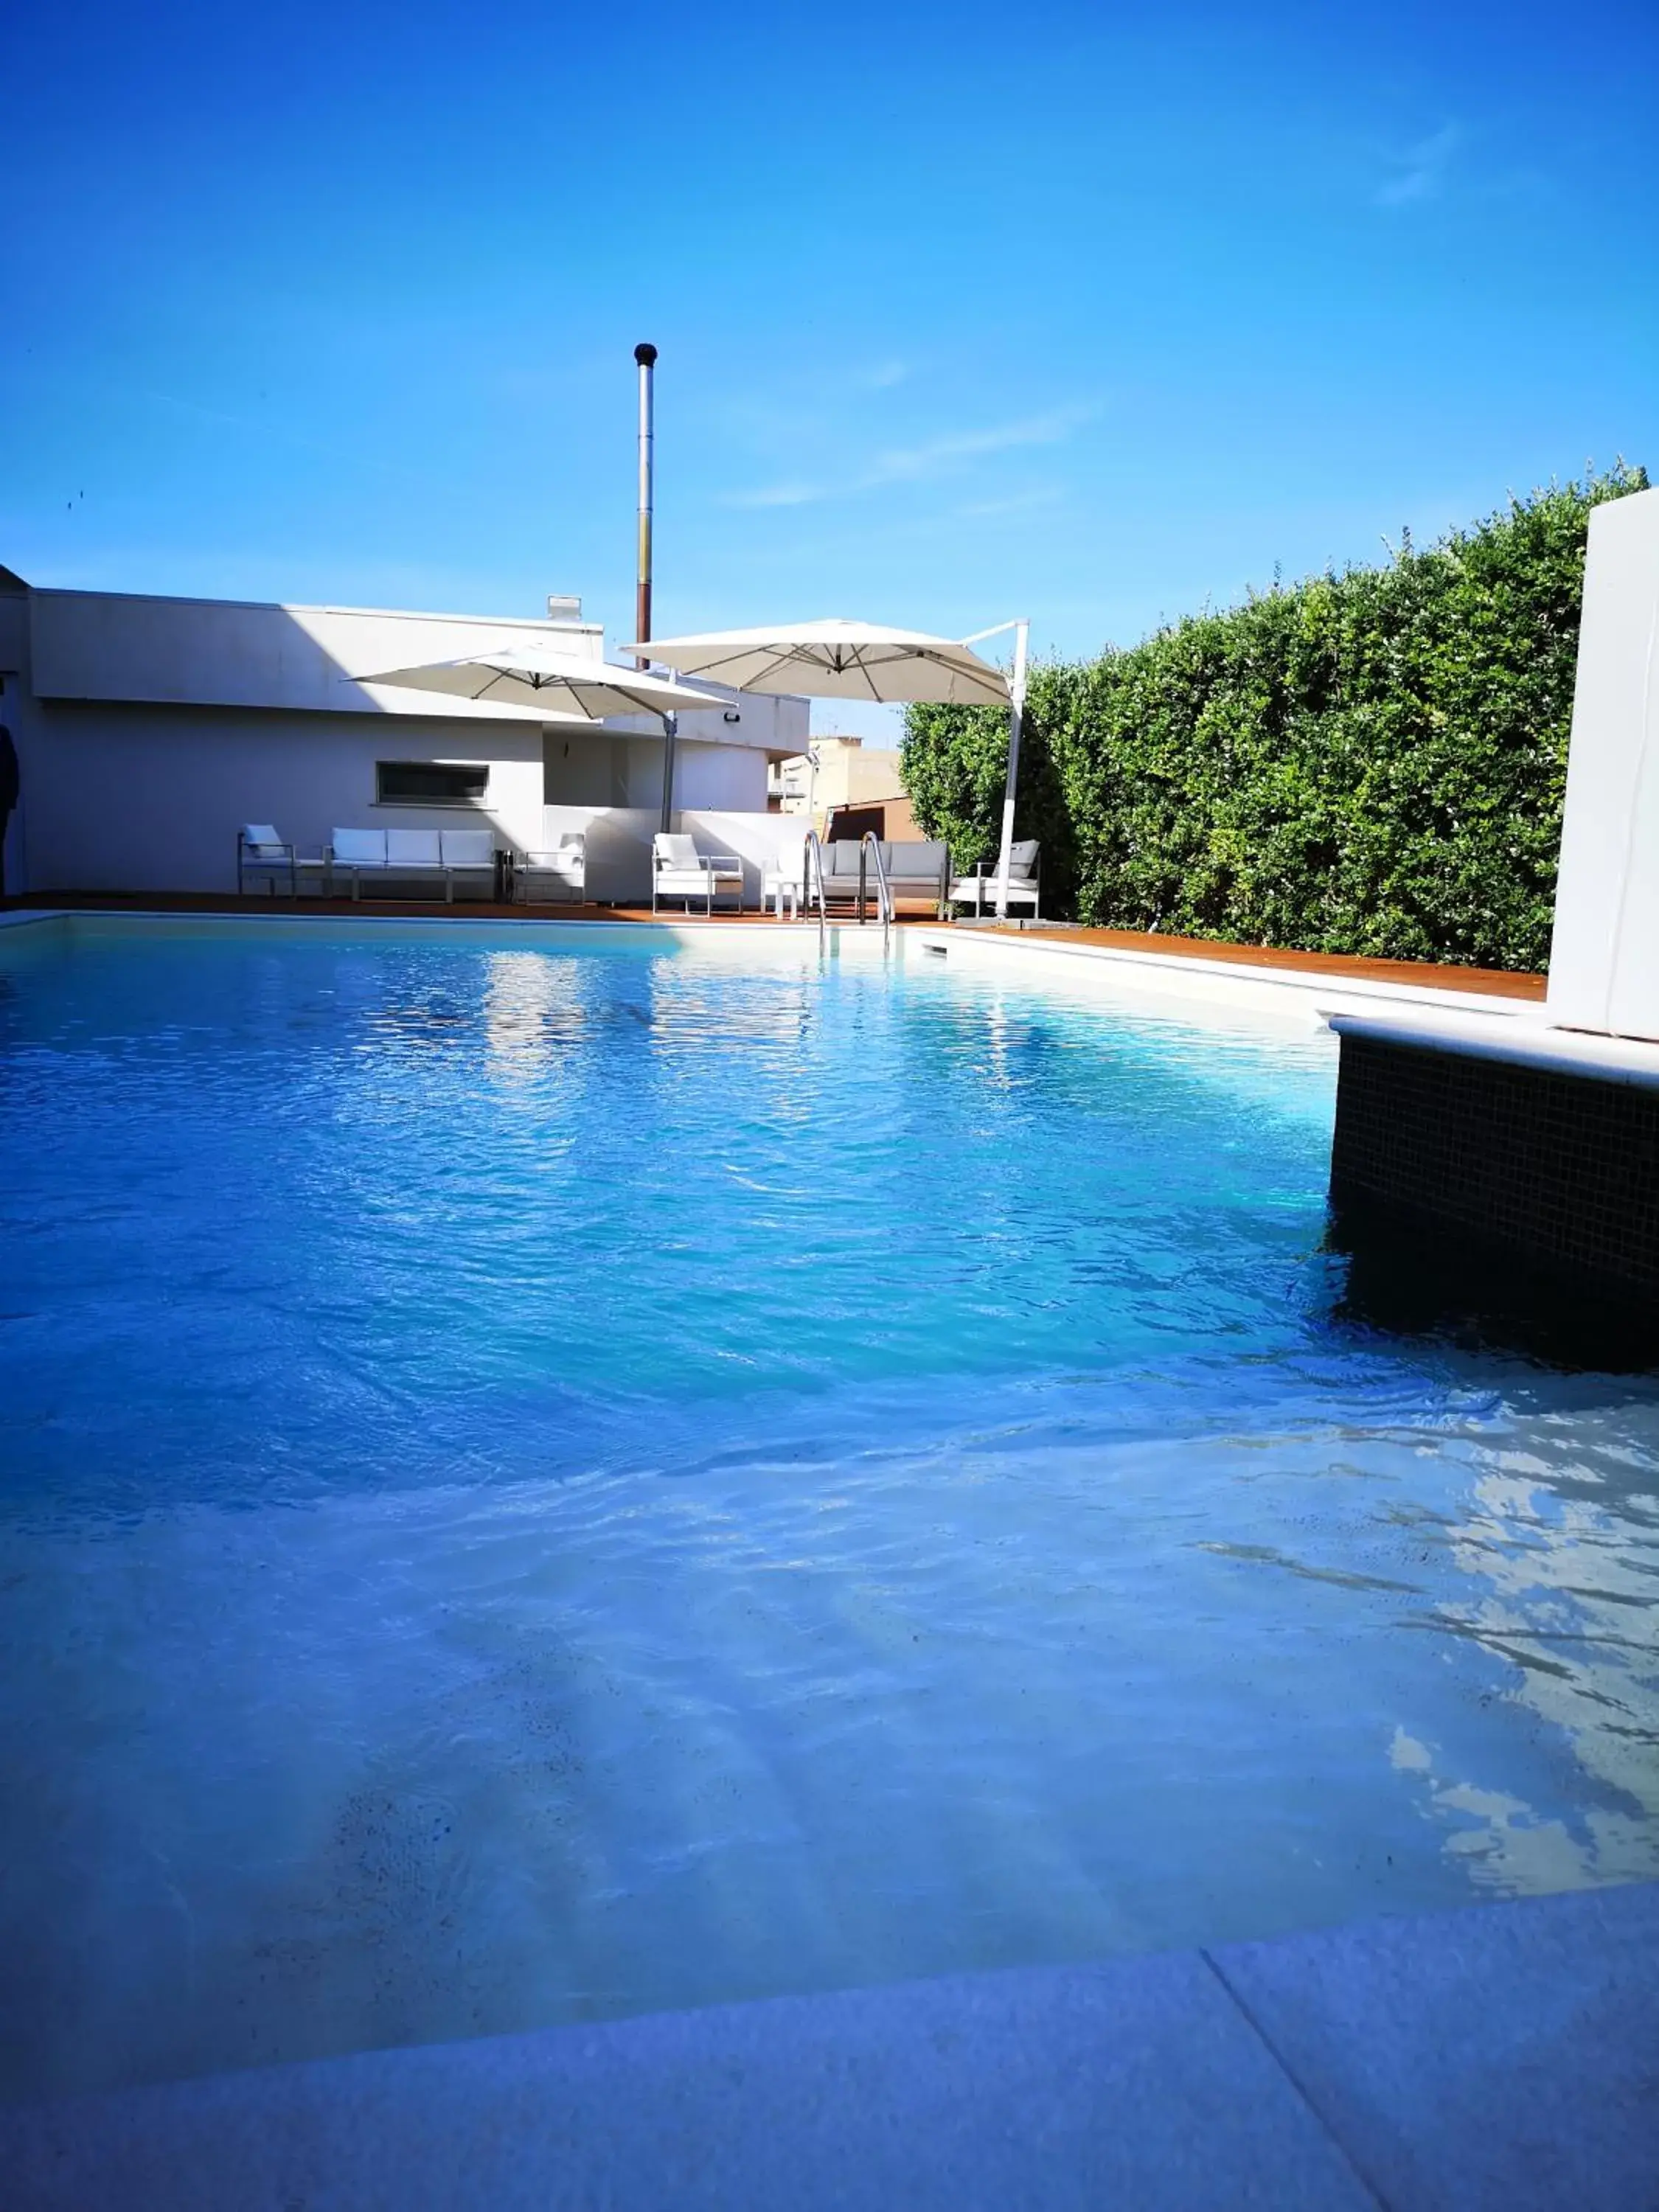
[(1422, 974)]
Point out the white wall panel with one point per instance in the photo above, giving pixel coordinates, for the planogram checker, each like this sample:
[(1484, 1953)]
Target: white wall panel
[(1604, 956)]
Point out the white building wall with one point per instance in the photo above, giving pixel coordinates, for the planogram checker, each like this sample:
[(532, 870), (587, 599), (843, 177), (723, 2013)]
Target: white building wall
[(149, 799), (228, 652), (1604, 974), (149, 729), (618, 844)]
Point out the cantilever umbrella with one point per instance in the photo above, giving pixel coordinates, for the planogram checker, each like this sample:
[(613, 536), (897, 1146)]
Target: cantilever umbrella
[(836, 660), (841, 659), (525, 674)]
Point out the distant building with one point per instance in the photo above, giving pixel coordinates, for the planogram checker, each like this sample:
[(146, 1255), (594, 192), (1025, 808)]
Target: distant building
[(847, 787)]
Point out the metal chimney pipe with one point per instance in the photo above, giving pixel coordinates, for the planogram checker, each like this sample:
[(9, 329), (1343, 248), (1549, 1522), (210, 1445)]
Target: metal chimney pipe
[(647, 357)]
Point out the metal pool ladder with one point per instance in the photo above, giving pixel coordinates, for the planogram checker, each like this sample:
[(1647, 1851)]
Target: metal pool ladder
[(884, 889), (811, 877)]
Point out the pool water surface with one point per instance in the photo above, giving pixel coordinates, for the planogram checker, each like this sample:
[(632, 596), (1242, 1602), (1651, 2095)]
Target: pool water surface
[(541, 1483)]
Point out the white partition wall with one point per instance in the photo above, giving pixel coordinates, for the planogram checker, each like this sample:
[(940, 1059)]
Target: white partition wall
[(618, 844), (756, 838), (1604, 956), (617, 849)]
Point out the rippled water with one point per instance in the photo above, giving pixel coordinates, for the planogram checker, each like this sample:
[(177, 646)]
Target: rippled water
[(540, 1485)]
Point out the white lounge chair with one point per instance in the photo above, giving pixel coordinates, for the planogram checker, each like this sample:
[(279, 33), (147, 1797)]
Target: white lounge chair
[(979, 891), (561, 873), (679, 870)]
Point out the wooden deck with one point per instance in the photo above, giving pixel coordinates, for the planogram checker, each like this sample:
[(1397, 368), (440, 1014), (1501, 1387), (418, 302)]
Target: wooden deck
[(1495, 983), (1421, 974)]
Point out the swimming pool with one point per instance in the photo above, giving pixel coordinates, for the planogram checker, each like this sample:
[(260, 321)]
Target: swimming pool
[(555, 1474)]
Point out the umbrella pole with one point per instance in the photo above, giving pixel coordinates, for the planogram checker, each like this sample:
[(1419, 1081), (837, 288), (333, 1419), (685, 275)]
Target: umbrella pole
[(1016, 715), (671, 730)]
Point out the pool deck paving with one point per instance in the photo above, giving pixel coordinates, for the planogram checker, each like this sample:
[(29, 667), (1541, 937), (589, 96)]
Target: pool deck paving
[(1505, 2056)]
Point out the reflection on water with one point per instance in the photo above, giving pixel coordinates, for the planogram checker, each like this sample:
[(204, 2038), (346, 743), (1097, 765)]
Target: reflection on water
[(1563, 1569)]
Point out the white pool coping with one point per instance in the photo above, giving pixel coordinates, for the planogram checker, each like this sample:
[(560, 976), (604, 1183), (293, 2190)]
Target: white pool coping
[(1525, 1044), (1238, 982)]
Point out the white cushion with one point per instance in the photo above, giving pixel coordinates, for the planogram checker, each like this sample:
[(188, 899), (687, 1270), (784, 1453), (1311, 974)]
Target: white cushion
[(674, 849), (260, 833), (1021, 856), (469, 849), (411, 848), (573, 844), (360, 848)]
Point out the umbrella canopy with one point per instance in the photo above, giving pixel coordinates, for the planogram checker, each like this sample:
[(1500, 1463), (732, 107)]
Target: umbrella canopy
[(836, 660), (530, 674)]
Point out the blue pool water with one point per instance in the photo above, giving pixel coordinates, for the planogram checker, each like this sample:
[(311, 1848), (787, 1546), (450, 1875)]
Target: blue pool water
[(542, 1484)]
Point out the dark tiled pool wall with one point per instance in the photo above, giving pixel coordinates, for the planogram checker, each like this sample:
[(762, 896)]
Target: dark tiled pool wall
[(1563, 1169)]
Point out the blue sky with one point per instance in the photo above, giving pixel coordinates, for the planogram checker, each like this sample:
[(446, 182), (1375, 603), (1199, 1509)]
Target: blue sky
[(1090, 314)]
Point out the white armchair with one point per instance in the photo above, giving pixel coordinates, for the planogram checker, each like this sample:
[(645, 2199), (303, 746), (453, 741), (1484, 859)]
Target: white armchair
[(679, 870), (261, 852), (559, 874), (980, 889)]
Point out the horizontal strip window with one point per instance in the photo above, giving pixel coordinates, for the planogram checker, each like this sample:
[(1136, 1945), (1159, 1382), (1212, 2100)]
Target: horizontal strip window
[(432, 783)]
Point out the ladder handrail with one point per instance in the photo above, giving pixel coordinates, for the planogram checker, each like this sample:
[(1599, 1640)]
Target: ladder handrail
[(884, 889), (811, 865)]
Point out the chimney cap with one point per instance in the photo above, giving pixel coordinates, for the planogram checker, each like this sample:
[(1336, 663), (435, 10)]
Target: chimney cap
[(645, 355)]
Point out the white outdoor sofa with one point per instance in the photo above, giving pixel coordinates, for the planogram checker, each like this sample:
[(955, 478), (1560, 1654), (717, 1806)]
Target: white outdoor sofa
[(914, 871), (679, 870), (980, 889), (561, 873), (449, 856)]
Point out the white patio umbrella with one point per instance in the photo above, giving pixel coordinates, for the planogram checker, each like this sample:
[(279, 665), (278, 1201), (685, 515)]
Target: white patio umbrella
[(526, 674), (836, 658)]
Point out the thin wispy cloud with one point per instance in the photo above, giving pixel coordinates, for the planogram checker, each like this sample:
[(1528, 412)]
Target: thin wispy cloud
[(1018, 503), (919, 464), (881, 376), (1420, 170), (777, 495)]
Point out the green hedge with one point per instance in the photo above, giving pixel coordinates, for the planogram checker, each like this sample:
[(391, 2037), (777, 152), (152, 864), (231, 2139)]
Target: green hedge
[(1369, 762)]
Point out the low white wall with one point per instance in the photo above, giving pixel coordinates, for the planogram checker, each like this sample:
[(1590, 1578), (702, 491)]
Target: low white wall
[(149, 799), (1603, 973), (618, 848), (619, 844), (756, 839)]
